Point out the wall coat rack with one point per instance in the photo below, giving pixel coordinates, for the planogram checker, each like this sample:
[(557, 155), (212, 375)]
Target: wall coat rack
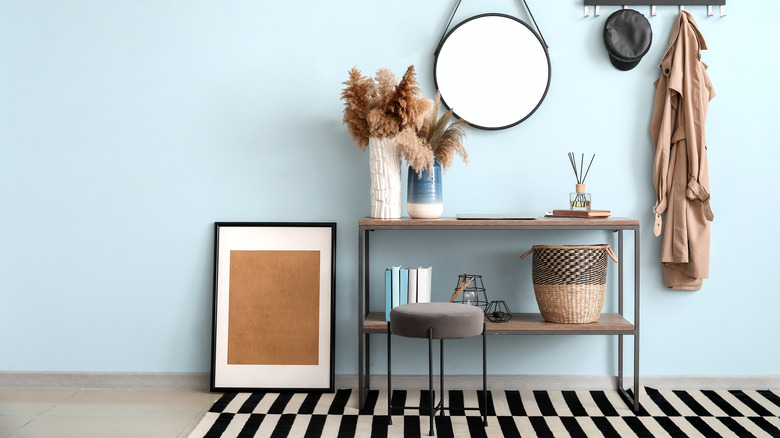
[(654, 3)]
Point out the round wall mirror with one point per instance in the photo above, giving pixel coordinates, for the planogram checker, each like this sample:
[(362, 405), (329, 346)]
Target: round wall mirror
[(492, 70)]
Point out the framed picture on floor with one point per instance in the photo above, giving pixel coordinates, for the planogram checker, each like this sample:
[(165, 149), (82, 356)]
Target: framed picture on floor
[(274, 306)]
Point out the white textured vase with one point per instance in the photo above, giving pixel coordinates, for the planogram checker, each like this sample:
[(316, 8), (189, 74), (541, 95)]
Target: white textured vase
[(385, 168)]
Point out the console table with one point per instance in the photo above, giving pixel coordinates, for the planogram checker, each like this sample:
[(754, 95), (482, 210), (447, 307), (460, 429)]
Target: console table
[(372, 321)]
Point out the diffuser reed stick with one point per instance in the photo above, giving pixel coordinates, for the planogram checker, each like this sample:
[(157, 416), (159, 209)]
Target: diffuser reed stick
[(580, 199)]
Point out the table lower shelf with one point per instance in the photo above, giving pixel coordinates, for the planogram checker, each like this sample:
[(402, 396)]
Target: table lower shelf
[(530, 323)]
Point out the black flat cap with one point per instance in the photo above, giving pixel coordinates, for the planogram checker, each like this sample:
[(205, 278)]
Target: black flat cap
[(627, 37)]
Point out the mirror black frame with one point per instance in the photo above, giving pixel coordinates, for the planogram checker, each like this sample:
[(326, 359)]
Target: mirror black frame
[(542, 45)]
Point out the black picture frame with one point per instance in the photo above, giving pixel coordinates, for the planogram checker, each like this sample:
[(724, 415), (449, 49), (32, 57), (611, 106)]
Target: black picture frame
[(274, 307)]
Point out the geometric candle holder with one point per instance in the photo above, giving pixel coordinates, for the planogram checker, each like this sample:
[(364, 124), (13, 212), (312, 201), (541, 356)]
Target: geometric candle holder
[(497, 311)]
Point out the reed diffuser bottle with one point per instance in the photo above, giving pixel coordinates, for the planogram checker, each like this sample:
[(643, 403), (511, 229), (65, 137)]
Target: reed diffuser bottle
[(580, 199)]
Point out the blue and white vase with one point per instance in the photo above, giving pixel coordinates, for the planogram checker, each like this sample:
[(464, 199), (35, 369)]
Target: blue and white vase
[(424, 195)]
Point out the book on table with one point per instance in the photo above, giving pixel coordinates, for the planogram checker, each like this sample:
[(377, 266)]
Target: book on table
[(388, 293), (396, 285), (587, 214), (424, 284), (406, 285), (392, 289), (412, 288)]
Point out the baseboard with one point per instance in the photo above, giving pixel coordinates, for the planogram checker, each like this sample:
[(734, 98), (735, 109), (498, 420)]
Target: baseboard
[(710, 382), (171, 381), (200, 381), (569, 382), (379, 381)]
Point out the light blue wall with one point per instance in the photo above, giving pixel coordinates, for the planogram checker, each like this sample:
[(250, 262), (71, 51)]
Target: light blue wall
[(128, 128)]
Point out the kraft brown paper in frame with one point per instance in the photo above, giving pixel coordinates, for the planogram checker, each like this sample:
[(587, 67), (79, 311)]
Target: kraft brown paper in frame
[(274, 308)]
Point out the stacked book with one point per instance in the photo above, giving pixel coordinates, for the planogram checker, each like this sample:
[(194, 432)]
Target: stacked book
[(406, 285), (585, 214)]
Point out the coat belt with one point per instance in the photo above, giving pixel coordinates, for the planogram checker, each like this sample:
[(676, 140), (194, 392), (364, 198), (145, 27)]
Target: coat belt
[(697, 191)]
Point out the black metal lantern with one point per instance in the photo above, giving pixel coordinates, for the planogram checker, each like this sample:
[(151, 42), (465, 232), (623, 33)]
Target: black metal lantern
[(497, 311), (472, 290)]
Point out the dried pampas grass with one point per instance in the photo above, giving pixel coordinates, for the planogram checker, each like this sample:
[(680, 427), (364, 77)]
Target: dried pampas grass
[(379, 125), (450, 144), (382, 107), (357, 103), (415, 150), (443, 139), (386, 83), (407, 106)]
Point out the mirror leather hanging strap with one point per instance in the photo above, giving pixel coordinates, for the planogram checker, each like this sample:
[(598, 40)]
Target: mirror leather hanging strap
[(457, 5)]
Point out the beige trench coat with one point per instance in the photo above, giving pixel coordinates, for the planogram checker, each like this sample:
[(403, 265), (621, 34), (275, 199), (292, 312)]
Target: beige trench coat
[(680, 172)]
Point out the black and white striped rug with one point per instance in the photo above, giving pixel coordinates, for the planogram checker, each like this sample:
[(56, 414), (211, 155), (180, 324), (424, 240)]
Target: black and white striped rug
[(523, 413)]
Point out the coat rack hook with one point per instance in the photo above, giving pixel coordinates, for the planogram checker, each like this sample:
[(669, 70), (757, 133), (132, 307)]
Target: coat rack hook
[(652, 10), (722, 10), (625, 6), (709, 10), (597, 13), (587, 12), (682, 8)]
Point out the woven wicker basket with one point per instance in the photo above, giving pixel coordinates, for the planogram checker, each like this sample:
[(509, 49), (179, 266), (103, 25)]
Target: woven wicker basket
[(570, 281)]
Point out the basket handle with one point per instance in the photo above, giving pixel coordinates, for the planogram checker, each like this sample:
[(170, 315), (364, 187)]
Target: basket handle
[(611, 254), (526, 254)]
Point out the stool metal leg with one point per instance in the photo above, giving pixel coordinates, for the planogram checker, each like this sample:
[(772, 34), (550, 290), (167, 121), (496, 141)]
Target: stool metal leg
[(430, 376), (484, 376), (441, 377), (389, 383)]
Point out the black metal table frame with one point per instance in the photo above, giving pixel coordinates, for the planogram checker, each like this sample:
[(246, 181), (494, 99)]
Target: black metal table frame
[(364, 340)]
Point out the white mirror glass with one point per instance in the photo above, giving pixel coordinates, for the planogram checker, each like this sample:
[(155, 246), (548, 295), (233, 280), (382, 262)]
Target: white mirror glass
[(492, 70)]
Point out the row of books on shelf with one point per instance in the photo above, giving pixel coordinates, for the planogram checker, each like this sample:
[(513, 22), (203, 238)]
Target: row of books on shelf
[(406, 285)]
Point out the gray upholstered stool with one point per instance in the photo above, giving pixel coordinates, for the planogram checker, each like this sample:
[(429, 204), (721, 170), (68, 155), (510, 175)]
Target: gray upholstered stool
[(437, 321)]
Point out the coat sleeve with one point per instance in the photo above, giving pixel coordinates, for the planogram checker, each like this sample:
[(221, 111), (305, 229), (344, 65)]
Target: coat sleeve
[(661, 129), (697, 93)]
